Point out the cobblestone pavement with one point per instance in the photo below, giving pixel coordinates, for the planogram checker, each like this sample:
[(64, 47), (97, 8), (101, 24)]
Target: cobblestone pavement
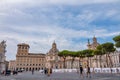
[(60, 76)]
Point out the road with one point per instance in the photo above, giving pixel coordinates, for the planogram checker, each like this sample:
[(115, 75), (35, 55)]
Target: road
[(60, 76)]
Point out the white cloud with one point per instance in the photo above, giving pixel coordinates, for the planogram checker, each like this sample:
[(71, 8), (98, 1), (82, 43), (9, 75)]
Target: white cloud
[(51, 32), (13, 13), (70, 2), (42, 3), (42, 43)]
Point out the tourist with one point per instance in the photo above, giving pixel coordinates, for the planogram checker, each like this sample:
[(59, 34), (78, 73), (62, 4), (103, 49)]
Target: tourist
[(111, 70), (32, 71), (45, 70), (48, 72), (88, 71), (117, 70), (81, 71), (93, 70)]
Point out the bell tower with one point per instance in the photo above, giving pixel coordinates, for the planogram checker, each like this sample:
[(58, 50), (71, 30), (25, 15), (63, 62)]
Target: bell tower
[(88, 45), (23, 49)]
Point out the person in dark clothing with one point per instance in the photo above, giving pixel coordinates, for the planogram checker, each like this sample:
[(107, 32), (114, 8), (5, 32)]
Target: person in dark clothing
[(81, 71), (50, 70), (32, 71), (45, 71), (117, 70), (111, 70), (88, 71)]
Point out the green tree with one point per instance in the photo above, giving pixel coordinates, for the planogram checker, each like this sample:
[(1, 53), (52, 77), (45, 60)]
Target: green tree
[(64, 54), (117, 41), (81, 56), (88, 53), (96, 52), (72, 54), (108, 48), (99, 54)]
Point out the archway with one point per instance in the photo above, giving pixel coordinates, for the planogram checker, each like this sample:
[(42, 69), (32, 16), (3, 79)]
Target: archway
[(33, 69), (29, 69), (26, 69), (56, 66)]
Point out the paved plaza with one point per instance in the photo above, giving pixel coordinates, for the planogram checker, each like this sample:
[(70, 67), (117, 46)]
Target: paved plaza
[(60, 76)]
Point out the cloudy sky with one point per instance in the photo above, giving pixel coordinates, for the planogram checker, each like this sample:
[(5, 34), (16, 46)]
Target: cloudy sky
[(69, 22)]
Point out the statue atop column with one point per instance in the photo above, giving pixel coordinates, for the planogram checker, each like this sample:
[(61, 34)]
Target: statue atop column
[(2, 56), (3, 46)]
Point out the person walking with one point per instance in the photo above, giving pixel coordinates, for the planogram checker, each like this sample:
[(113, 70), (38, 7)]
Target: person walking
[(32, 71), (81, 71), (111, 70), (48, 72), (88, 72), (117, 70), (45, 70)]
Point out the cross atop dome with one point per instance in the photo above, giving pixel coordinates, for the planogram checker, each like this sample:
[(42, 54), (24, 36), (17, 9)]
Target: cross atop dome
[(94, 39), (54, 45)]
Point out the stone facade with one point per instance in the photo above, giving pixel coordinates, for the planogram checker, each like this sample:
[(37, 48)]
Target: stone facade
[(115, 58), (94, 44), (52, 58), (56, 62), (95, 62), (2, 56), (69, 62), (12, 65), (28, 61)]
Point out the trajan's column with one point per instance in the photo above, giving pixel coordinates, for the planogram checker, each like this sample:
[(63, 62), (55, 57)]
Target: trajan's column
[(2, 55)]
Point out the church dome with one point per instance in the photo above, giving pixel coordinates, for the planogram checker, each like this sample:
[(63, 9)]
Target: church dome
[(54, 49), (94, 39)]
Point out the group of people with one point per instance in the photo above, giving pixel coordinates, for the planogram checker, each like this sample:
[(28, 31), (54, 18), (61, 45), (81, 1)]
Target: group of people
[(88, 72), (9, 72), (82, 70), (48, 71), (117, 70)]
